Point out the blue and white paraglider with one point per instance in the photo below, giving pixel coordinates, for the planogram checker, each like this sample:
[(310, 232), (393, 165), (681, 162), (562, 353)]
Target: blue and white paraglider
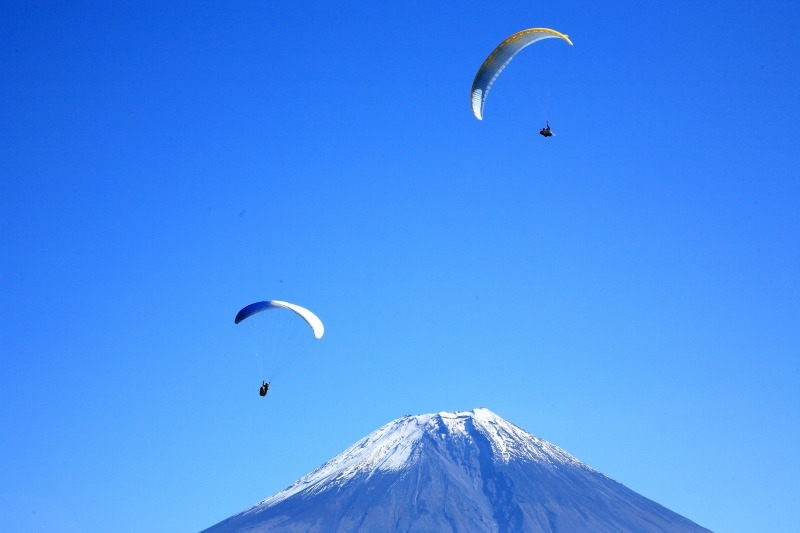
[(277, 334)]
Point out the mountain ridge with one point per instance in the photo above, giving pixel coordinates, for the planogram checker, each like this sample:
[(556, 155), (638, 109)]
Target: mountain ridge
[(455, 471)]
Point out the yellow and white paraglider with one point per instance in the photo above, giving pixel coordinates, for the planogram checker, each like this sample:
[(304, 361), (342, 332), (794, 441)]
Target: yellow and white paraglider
[(499, 59)]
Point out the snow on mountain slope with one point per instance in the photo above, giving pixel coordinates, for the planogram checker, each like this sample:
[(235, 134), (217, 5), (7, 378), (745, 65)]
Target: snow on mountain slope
[(455, 471), (392, 447)]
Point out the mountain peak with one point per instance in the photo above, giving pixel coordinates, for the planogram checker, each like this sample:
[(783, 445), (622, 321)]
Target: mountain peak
[(508, 441), (455, 471), (397, 446)]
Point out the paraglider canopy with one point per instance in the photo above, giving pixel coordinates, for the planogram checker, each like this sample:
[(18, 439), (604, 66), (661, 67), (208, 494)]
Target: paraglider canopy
[(500, 57), (310, 318)]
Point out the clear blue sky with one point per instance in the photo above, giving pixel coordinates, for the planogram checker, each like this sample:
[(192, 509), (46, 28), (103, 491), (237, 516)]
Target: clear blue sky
[(628, 290)]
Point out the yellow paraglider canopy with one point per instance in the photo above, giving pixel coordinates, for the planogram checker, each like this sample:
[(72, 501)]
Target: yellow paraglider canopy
[(500, 57)]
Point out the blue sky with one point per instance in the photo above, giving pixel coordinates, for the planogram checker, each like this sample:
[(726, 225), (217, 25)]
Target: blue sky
[(627, 290)]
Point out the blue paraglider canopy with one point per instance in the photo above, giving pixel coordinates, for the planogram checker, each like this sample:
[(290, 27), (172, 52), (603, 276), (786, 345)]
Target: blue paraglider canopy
[(310, 318)]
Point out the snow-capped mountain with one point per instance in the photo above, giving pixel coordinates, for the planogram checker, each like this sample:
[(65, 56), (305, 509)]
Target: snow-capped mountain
[(468, 471)]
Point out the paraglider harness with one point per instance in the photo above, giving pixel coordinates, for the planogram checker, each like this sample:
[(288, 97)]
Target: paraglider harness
[(545, 132), (264, 388)]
